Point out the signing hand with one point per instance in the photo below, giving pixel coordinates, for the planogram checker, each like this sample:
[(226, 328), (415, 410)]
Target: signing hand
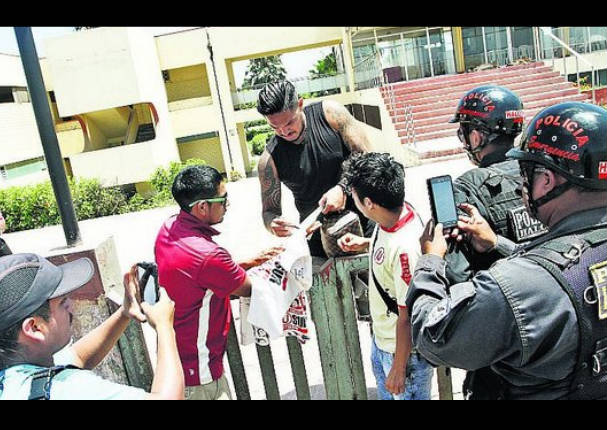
[(333, 200), (131, 304), (352, 243), (477, 229), (265, 255), (281, 227), (433, 240)]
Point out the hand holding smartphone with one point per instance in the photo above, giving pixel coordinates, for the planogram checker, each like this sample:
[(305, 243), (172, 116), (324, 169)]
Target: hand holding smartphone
[(442, 202), (148, 282)]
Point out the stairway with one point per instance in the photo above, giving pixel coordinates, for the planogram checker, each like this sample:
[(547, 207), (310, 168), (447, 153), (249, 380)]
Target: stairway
[(433, 101), (145, 132)]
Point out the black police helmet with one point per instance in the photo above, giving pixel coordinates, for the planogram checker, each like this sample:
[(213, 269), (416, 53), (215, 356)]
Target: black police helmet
[(571, 140), (490, 108)]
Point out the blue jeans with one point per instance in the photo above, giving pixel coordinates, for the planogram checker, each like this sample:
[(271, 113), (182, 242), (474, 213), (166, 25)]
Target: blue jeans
[(418, 385)]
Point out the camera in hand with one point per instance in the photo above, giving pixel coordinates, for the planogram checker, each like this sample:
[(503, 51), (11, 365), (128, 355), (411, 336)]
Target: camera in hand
[(442, 201), (148, 282)]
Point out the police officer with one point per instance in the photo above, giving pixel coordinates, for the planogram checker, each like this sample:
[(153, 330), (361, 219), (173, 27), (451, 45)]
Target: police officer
[(539, 317), (490, 118)]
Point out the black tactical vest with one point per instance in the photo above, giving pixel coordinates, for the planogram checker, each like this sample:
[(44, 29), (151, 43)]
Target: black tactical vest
[(499, 189), (579, 264)]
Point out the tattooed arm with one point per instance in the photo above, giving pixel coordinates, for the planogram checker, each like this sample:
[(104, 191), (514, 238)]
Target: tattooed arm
[(351, 130), (353, 133), (270, 197)]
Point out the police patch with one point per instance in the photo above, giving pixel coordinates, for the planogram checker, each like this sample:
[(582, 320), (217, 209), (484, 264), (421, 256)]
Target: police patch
[(603, 170), (599, 275), (522, 227)]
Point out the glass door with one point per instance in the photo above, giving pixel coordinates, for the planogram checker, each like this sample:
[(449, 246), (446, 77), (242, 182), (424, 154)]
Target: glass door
[(474, 47), (523, 46), (496, 44)]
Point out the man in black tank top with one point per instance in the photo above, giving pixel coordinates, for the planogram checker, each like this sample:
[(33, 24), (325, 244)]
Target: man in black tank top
[(306, 155)]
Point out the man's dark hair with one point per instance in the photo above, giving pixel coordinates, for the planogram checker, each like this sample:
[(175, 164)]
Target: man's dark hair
[(376, 176), (195, 183), (277, 97), (9, 338)]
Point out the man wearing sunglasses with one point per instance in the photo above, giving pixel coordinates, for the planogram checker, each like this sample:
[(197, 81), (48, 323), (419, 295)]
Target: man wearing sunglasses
[(538, 319), (200, 276)]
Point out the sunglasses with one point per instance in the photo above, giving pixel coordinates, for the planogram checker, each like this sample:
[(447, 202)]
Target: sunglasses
[(223, 199), (528, 169)]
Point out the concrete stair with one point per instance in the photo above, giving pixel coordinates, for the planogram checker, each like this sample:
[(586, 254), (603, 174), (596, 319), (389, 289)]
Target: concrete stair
[(433, 101)]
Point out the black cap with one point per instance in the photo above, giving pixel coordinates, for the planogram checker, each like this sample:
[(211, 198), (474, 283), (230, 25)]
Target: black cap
[(29, 280)]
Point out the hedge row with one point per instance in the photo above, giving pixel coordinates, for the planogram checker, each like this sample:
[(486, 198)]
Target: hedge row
[(34, 206)]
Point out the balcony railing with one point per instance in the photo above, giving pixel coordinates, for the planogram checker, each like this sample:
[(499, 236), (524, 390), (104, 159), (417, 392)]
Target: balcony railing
[(305, 86)]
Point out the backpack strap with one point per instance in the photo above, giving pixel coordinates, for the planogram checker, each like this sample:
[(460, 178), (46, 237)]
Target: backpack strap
[(389, 301), (43, 380)]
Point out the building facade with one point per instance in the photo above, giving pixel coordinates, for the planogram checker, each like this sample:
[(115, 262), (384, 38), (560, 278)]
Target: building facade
[(125, 102)]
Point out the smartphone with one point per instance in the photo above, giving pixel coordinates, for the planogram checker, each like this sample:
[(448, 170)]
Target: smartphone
[(442, 201), (148, 282)]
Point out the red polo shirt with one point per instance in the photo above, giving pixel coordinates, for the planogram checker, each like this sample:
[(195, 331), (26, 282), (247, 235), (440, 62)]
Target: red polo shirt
[(199, 277)]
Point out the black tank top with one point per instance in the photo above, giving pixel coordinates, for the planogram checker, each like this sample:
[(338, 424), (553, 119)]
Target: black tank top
[(311, 168)]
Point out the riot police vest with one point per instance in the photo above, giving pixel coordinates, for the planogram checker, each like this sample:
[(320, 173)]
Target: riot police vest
[(579, 263), (500, 193)]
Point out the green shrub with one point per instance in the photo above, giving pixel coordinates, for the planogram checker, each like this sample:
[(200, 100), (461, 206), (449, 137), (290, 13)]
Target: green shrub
[(163, 177), (34, 206), (254, 131), (258, 144)]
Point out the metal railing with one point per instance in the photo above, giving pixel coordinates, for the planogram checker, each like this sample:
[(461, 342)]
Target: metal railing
[(407, 114), (367, 73), (333, 312), (548, 32), (303, 85)]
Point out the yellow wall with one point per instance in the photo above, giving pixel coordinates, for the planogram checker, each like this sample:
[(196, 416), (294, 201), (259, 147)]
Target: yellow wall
[(97, 139), (243, 147), (71, 138), (144, 115), (207, 149), (188, 82)]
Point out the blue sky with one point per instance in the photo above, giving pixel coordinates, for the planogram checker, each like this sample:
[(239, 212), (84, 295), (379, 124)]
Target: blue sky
[(296, 64)]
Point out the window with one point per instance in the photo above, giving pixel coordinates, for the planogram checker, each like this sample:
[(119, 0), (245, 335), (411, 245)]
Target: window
[(6, 95)]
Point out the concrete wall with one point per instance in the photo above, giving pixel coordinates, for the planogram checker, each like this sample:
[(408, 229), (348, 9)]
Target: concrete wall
[(11, 71), (117, 166), (207, 149), (597, 59), (19, 138), (238, 43)]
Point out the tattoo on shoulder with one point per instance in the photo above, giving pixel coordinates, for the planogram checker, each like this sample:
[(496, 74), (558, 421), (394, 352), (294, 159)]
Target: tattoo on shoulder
[(349, 128)]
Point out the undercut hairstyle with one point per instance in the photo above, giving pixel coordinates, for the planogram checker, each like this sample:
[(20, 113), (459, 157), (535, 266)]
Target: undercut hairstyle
[(376, 176), (9, 338), (195, 183), (277, 97)]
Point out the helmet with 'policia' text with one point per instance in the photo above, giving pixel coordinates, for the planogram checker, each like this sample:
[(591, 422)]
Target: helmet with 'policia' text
[(490, 108), (571, 140)]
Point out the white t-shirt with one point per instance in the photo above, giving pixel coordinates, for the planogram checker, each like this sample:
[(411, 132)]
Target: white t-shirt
[(393, 258)]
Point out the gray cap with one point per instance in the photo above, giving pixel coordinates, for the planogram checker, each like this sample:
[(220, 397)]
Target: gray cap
[(29, 280)]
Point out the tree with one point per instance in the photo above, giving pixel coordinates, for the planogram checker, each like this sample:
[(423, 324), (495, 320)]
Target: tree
[(324, 67), (263, 71)]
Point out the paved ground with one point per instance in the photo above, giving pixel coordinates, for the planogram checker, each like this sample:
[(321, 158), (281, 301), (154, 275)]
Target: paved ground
[(243, 234)]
